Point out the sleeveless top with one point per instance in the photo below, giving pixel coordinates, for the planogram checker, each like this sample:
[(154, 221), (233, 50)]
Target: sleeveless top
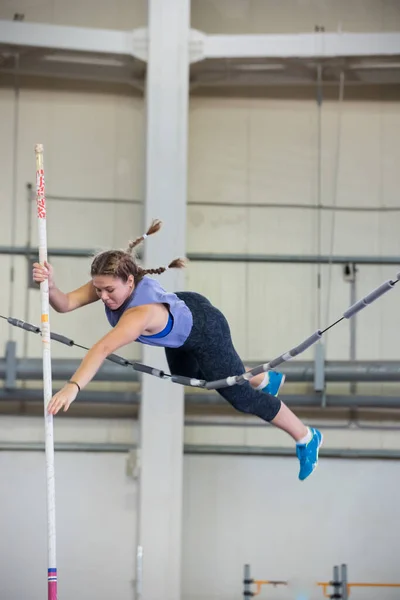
[(149, 291)]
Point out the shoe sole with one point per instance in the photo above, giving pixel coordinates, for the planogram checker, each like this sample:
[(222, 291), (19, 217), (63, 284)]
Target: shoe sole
[(319, 446)]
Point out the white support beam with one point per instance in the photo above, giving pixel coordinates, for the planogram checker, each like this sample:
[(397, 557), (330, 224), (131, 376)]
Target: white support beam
[(162, 404), (302, 45), (57, 37), (201, 46)]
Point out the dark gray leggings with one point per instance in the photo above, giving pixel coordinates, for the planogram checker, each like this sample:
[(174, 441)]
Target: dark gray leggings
[(209, 354)]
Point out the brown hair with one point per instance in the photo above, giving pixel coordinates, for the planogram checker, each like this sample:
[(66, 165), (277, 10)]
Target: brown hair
[(122, 263)]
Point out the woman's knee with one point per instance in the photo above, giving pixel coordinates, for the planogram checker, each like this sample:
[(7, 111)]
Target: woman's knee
[(267, 410)]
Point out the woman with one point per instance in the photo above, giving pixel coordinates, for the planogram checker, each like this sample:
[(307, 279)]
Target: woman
[(194, 333)]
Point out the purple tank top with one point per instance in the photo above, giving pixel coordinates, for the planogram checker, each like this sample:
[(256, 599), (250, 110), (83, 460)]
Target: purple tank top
[(149, 291)]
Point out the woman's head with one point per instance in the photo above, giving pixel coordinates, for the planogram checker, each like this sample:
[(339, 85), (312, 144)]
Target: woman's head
[(113, 275), (115, 272)]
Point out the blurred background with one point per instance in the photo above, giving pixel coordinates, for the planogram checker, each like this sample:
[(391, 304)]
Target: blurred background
[(292, 214)]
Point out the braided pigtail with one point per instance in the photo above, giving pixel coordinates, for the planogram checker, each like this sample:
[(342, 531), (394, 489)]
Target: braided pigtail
[(154, 227), (177, 263)]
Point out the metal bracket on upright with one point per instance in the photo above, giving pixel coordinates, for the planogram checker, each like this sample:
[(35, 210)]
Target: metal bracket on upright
[(10, 382), (350, 275), (344, 578), (133, 464), (319, 371)]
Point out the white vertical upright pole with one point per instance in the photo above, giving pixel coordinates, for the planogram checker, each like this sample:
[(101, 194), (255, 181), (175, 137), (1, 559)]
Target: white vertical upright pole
[(47, 379)]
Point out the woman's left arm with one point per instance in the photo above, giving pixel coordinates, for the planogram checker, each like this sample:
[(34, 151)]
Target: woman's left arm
[(127, 330)]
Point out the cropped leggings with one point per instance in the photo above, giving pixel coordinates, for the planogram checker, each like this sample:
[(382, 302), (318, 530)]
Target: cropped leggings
[(208, 353)]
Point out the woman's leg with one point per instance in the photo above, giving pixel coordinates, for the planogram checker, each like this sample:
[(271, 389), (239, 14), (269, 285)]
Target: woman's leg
[(183, 363), (243, 397), (246, 399), (210, 344), (216, 357)]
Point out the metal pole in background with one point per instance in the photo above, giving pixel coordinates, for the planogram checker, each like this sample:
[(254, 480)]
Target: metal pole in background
[(336, 584), (13, 224), (247, 593), (319, 351), (139, 573), (306, 259), (344, 578), (30, 198), (353, 321), (319, 194)]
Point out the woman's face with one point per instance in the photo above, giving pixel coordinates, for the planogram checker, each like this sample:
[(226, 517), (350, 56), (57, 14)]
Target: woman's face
[(113, 291)]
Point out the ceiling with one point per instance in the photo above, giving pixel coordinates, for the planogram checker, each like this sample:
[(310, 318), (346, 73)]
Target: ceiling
[(281, 72), (204, 74)]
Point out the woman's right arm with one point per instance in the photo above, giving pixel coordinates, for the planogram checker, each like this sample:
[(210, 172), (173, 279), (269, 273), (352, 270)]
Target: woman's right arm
[(86, 294)]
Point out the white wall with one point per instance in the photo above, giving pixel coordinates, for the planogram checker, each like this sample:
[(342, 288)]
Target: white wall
[(219, 16), (121, 14), (246, 150), (253, 510), (93, 148), (236, 510), (95, 520), (291, 16), (241, 151)]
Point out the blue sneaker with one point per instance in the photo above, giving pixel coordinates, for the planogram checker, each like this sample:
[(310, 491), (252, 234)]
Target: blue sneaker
[(308, 454), (276, 381)]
